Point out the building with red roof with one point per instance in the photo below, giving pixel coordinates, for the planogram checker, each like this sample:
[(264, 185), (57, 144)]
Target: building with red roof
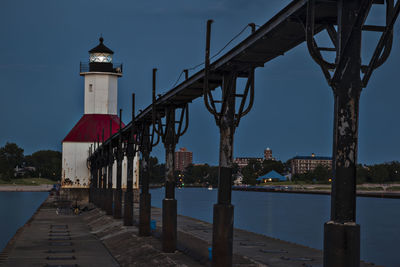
[(100, 116)]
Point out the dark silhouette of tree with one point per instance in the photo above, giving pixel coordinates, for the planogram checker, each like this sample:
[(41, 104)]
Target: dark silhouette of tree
[(272, 165), (11, 156), (157, 171), (47, 163), (252, 171)]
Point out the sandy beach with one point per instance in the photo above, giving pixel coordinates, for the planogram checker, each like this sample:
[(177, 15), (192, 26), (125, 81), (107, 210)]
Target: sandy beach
[(26, 188)]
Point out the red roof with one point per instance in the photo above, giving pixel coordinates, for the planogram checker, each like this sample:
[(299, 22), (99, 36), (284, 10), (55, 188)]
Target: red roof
[(90, 127)]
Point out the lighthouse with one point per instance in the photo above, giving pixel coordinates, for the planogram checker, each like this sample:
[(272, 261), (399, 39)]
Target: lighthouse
[(100, 114)]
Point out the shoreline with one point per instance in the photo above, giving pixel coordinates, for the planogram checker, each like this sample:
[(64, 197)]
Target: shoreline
[(310, 190), (26, 188), (375, 194)]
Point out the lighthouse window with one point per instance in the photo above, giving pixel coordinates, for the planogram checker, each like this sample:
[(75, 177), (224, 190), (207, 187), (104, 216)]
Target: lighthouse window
[(90, 87), (100, 57)]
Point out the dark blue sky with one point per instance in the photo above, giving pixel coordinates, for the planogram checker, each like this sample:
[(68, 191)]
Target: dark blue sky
[(41, 92)]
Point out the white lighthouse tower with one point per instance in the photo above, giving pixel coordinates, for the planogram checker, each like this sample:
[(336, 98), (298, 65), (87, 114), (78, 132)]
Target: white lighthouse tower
[(101, 91)]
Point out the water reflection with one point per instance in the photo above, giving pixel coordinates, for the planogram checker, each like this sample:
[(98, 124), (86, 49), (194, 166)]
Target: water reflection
[(299, 218)]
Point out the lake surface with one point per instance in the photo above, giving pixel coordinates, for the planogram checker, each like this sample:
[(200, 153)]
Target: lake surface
[(299, 218), (16, 208)]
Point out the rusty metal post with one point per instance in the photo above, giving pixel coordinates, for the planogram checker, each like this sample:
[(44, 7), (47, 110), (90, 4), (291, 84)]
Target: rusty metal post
[(101, 177), (110, 158), (118, 190), (96, 175), (92, 185), (145, 196), (110, 161), (169, 212), (91, 181), (102, 182), (90, 165), (97, 193), (223, 210), (128, 207), (95, 184), (341, 233), (104, 175)]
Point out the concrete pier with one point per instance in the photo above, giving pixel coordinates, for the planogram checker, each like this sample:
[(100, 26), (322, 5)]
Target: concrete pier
[(56, 237)]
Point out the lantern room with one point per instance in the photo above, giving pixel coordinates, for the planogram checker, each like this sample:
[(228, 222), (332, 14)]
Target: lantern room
[(101, 60)]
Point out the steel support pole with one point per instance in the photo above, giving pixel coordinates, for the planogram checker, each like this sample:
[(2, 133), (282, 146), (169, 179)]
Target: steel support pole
[(110, 159), (169, 212), (104, 177), (91, 183), (145, 196), (104, 185), (100, 176), (128, 207), (96, 182), (223, 211), (341, 233), (99, 189), (128, 200), (100, 185), (118, 190), (109, 204), (97, 185)]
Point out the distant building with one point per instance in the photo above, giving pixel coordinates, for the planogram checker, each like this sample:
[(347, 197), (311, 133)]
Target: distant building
[(243, 162), (302, 164), (238, 180), (183, 158), (21, 171), (272, 176), (268, 154)]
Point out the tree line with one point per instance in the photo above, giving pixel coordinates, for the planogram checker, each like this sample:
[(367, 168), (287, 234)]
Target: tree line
[(46, 163), (204, 174), (388, 172), (255, 169)]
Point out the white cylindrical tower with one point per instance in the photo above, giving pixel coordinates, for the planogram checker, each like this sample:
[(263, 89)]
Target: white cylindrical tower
[(101, 86), (100, 114)]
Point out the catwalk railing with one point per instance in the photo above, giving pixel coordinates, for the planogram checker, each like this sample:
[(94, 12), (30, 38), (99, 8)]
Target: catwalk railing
[(166, 119)]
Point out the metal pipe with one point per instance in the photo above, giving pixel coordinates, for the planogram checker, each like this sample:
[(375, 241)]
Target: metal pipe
[(118, 190), (169, 211), (206, 92), (223, 210), (91, 181), (128, 207), (155, 120), (104, 174), (154, 85), (341, 233), (110, 158), (145, 197)]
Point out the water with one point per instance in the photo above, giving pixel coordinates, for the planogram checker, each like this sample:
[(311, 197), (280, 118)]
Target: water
[(16, 208), (299, 218)]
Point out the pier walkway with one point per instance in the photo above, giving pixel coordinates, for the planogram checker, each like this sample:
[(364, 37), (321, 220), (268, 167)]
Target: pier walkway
[(194, 239), (56, 237)]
